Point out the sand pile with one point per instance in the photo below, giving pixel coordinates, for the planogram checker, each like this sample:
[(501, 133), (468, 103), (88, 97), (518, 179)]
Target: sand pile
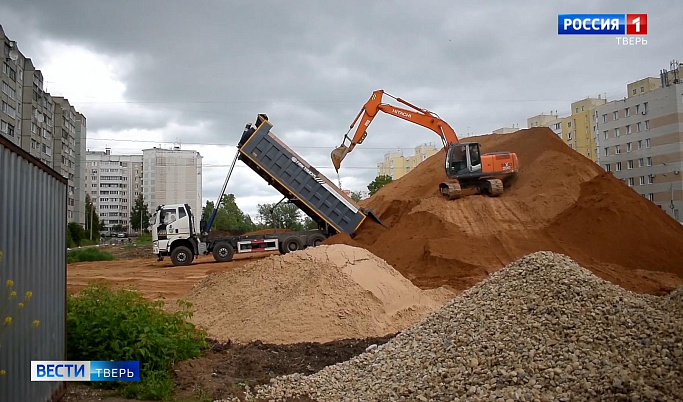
[(319, 295), (560, 201)]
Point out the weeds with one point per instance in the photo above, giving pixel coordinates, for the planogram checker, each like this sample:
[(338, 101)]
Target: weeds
[(106, 324), (88, 254)]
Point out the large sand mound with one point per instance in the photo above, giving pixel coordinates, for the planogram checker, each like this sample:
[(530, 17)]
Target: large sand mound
[(318, 295), (560, 201)]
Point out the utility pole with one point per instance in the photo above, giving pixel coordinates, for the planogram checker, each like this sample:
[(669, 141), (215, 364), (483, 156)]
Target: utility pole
[(91, 212)]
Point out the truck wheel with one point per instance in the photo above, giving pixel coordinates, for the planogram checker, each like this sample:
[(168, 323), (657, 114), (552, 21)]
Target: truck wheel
[(223, 252), (291, 244), (315, 240), (181, 255)]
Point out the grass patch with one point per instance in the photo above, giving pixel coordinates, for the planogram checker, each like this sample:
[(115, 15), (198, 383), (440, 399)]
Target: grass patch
[(142, 241), (88, 254), (106, 324)]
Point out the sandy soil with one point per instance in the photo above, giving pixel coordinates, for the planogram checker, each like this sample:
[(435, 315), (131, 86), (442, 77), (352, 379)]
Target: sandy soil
[(152, 278)]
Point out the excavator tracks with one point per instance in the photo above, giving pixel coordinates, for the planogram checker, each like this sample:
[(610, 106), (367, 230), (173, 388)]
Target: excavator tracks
[(492, 187), (451, 190)]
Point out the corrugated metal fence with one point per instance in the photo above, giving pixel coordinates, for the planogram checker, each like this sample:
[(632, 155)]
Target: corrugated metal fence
[(33, 243)]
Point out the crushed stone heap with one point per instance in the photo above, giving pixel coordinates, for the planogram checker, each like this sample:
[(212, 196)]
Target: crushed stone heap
[(542, 328), (319, 294)]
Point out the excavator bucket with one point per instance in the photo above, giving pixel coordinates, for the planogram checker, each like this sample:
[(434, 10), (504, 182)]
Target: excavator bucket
[(338, 155)]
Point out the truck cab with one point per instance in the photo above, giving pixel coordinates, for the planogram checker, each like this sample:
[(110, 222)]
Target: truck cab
[(173, 233)]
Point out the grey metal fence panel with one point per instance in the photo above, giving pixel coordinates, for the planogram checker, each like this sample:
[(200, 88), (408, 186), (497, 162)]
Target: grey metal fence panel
[(33, 242)]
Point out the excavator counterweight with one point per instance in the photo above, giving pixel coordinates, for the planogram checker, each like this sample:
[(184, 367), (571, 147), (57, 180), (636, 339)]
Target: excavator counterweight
[(465, 165)]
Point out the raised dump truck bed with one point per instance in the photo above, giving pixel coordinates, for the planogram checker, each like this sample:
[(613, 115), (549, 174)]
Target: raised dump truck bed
[(298, 181)]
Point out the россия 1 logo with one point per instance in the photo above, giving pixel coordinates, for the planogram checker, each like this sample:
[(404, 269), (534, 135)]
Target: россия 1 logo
[(604, 24)]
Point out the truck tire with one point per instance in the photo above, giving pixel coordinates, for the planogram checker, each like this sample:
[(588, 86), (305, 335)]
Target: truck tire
[(223, 252), (315, 240), (181, 255), (291, 244)]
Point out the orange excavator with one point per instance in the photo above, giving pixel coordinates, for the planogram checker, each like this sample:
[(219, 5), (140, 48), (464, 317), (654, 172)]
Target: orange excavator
[(465, 165)]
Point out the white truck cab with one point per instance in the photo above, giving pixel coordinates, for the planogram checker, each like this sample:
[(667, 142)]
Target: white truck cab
[(173, 233)]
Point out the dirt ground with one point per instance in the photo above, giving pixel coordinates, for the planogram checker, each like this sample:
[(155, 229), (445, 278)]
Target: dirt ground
[(221, 372), (152, 278)]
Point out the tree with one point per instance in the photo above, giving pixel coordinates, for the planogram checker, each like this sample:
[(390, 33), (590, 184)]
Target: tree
[(229, 216), (356, 196), (76, 233), (91, 213), (309, 224), (282, 216), (139, 215), (379, 182), (118, 228)]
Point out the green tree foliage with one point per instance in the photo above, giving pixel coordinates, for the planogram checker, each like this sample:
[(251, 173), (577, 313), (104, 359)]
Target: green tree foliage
[(356, 196), (283, 216), (140, 213), (229, 217), (76, 233), (91, 213), (379, 182), (309, 224)]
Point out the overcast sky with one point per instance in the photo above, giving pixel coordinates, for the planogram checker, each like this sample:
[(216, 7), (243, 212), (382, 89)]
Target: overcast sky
[(149, 73)]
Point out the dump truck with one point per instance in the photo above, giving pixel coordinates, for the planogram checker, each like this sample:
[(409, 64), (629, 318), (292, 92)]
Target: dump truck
[(174, 227)]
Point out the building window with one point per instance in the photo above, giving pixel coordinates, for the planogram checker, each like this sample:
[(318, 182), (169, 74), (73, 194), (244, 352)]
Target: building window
[(644, 107), (604, 118), (638, 127), (608, 167), (569, 136), (642, 180), (630, 164), (637, 109), (650, 179), (605, 134), (626, 111), (617, 149), (647, 124), (628, 129), (616, 115), (640, 144), (634, 91), (651, 197), (640, 162), (647, 143), (618, 169), (628, 147), (616, 132), (642, 89), (631, 181), (649, 161), (606, 151)]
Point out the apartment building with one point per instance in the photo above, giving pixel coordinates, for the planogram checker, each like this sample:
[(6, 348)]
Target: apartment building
[(579, 129), (80, 169), (64, 152), (173, 176), (43, 125), (396, 165), (12, 78), (551, 121), (641, 140), (113, 183), (505, 130)]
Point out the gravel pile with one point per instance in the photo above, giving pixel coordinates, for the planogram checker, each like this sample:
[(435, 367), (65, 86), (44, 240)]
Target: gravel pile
[(543, 328)]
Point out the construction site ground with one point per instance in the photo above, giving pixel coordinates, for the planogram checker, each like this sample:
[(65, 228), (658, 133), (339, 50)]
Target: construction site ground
[(560, 201)]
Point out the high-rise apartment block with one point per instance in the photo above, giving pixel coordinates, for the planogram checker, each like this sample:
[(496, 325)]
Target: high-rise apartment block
[(113, 183), (43, 125), (173, 176), (396, 165), (641, 139), (547, 120)]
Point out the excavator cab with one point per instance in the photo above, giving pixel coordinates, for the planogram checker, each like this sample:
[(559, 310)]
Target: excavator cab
[(463, 159)]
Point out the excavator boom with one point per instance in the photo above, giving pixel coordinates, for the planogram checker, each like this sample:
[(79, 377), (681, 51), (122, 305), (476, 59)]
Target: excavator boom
[(414, 114)]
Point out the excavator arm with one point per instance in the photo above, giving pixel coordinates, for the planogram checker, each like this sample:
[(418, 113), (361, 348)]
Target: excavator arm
[(417, 115)]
